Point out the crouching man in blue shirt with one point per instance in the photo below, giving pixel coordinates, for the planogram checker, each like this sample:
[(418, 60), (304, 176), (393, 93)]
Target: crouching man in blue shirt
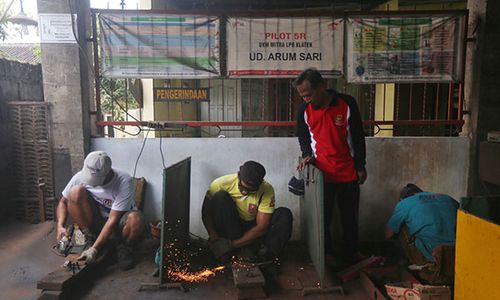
[(426, 224)]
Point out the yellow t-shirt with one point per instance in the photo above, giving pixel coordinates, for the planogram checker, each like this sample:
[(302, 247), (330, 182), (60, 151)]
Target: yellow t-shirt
[(247, 205)]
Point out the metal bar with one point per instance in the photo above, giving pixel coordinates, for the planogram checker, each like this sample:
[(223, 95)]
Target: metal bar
[(97, 75), (383, 108), (464, 44), (414, 122), (424, 99), (450, 91), (407, 12), (436, 114), (236, 118), (281, 13), (270, 123), (126, 99), (249, 98), (262, 100), (276, 100), (112, 104), (397, 100), (209, 103), (162, 266), (410, 104), (28, 103), (223, 100), (290, 100), (460, 95), (371, 101)]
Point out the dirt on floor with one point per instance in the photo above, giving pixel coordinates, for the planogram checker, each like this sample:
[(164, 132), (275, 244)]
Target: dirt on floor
[(26, 257)]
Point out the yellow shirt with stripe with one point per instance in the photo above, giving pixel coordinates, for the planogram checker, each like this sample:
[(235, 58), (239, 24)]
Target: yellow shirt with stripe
[(247, 205)]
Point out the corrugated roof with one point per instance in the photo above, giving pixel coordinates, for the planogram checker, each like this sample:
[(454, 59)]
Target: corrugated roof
[(24, 53)]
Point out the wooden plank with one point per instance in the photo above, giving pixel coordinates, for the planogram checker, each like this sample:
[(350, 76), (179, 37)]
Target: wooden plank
[(352, 272), (61, 278), (56, 280)]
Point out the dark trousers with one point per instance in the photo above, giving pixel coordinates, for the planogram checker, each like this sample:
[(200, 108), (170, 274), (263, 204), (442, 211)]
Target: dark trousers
[(408, 243), (346, 194), (440, 272), (229, 225)]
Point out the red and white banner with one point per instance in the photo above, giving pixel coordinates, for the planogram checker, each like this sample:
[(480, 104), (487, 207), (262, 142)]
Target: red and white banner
[(283, 47)]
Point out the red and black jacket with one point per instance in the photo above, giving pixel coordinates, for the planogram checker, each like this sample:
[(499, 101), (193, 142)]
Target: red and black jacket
[(334, 136)]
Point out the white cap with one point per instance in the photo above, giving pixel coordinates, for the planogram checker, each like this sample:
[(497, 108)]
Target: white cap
[(95, 168)]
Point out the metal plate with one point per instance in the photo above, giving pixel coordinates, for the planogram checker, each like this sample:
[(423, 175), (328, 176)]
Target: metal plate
[(175, 207), (312, 219)]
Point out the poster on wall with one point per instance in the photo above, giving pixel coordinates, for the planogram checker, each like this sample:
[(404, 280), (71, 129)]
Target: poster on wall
[(159, 46), (57, 28), (283, 47), (403, 49)]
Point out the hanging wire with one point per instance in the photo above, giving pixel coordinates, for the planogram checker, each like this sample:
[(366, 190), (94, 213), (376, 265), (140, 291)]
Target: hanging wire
[(87, 60), (140, 152), (161, 153), (127, 132)]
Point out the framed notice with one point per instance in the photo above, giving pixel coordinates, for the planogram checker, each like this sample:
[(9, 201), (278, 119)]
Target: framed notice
[(57, 28), (159, 46), (404, 48), (283, 47)]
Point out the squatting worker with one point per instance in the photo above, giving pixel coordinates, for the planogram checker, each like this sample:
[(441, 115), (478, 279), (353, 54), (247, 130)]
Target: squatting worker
[(425, 221), (238, 213), (100, 201), (331, 137)]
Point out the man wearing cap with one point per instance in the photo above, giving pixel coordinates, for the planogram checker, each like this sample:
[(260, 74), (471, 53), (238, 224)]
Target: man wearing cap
[(238, 213), (99, 200)]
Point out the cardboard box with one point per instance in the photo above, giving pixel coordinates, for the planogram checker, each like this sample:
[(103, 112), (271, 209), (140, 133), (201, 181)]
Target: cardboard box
[(415, 291), (373, 280)]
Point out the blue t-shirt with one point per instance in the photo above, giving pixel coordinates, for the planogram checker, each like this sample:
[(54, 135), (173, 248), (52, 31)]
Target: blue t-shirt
[(431, 219)]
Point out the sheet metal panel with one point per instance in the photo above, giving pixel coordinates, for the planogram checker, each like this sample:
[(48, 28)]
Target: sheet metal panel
[(312, 219), (175, 207)]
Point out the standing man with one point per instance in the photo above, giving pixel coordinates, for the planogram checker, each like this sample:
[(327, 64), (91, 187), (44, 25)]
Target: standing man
[(331, 137), (238, 213), (100, 199)]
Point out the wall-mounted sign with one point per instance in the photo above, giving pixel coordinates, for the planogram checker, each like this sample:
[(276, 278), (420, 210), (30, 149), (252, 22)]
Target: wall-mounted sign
[(397, 48), (57, 28), (159, 46), (283, 47), (181, 94)]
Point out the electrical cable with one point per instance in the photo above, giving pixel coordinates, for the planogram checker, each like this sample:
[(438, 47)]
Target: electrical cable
[(140, 152), (161, 153), (91, 67), (129, 133)]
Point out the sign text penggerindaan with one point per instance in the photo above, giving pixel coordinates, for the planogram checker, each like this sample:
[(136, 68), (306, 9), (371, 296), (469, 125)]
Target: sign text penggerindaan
[(181, 94)]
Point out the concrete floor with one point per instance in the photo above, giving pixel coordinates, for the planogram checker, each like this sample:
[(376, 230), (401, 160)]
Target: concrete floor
[(26, 257)]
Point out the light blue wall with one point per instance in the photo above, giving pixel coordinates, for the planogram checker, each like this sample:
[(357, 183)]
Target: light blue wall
[(435, 164)]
